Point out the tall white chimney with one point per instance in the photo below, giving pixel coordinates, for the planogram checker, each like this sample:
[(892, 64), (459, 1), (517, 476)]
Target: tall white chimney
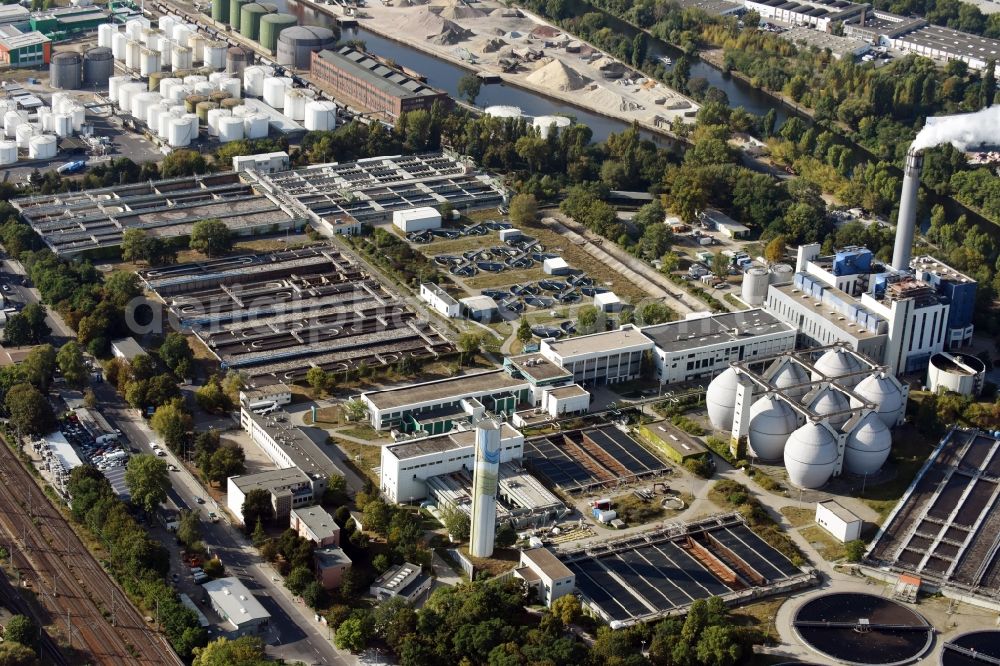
[(907, 220), (485, 479)]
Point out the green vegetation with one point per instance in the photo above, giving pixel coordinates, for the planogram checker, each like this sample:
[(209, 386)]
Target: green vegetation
[(636, 511), (148, 480), (394, 255), (212, 237), (738, 496), (828, 547)]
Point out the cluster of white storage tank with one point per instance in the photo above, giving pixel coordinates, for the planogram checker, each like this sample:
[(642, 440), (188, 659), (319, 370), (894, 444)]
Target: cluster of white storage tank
[(174, 44), (38, 134), (844, 428), (298, 104)]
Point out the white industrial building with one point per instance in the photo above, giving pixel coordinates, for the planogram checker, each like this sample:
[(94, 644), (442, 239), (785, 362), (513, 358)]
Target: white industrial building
[(263, 162), (237, 605), (818, 14), (416, 219), (405, 467), (823, 412), (838, 521), (607, 302), (127, 349), (601, 358), (407, 581), (256, 398), (480, 308), (565, 400), (289, 489), (315, 524), (440, 300), (703, 347), (959, 373), (543, 572), (555, 266)]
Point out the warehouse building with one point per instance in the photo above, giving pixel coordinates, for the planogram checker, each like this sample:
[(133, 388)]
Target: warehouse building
[(234, 603), (372, 85), (818, 14), (127, 349), (68, 20), (944, 44), (28, 49), (416, 219), (405, 467), (11, 14), (703, 347)]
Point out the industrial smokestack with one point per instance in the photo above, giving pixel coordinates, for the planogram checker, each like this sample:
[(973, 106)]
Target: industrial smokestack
[(907, 220)]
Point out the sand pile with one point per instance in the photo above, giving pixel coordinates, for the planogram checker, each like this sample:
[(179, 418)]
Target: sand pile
[(427, 23), (459, 10), (493, 45), (557, 76), (452, 33)]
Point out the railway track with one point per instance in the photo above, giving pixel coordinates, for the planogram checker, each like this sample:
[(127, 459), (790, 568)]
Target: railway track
[(83, 602)]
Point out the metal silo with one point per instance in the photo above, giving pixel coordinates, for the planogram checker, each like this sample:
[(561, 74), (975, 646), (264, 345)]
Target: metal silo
[(234, 12), (237, 60), (271, 27), (64, 71), (296, 44), (755, 282), (220, 10), (250, 17)]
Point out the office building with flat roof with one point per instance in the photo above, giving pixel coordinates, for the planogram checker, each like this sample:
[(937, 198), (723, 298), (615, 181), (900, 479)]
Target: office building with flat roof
[(237, 605), (372, 85), (331, 565), (316, 525), (600, 358), (406, 581), (289, 488), (542, 571)]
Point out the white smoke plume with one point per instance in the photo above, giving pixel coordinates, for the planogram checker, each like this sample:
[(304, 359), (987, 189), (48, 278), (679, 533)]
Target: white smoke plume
[(962, 131)]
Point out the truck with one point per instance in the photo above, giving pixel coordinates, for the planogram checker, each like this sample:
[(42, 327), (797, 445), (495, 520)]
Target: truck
[(101, 440), (71, 167)]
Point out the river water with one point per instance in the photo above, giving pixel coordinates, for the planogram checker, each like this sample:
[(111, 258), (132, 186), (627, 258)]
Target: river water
[(446, 75)]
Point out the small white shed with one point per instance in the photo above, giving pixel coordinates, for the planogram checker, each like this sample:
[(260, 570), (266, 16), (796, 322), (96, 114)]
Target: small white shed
[(416, 219), (607, 302), (555, 266), (838, 521)]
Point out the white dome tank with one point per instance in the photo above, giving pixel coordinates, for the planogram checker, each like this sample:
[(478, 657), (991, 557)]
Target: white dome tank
[(42, 147), (213, 119), (253, 79), (230, 85), (772, 420), (118, 43), (295, 104), (868, 445), (230, 129), (827, 401), (240, 111), (8, 152), (24, 134), (790, 374), (274, 91), (502, 111), (320, 115), (836, 363), (885, 394), (810, 456), (544, 124), (106, 34), (720, 399), (11, 121), (62, 124), (255, 126)]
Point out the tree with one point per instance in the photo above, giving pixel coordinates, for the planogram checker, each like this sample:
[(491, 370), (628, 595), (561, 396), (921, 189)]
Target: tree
[(523, 209), (505, 537), (259, 536), (353, 634), (213, 398), (15, 654), (653, 313), (774, 252), (567, 608), (855, 550), (172, 422), (183, 163), (988, 86), (524, 331), (469, 87), (39, 366), (72, 365), (30, 412), (317, 378), (298, 579), (189, 528), (589, 320), (212, 237), (457, 523), (147, 479), (133, 245), (28, 327), (314, 594), (257, 506), (242, 651), (720, 265), (469, 344), (381, 563), (224, 462), (355, 410), (121, 287), (21, 629), (176, 354), (377, 515)]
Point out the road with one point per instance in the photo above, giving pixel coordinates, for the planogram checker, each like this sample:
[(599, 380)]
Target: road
[(27, 295), (293, 627)]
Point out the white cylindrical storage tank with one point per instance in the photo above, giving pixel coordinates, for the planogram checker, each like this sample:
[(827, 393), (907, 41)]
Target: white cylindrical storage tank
[(754, 290), (11, 121), (503, 111), (42, 147), (546, 124), (24, 134), (274, 91), (60, 101), (230, 129), (197, 45), (166, 85), (295, 104), (182, 131), (180, 58), (142, 102), (62, 124), (106, 35), (127, 91), (180, 34), (8, 152), (153, 117), (133, 28), (132, 50), (163, 124), (255, 126), (772, 421), (835, 364), (231, 86), (831, 403), (810, 456), (180, 93), (204, 88), (215, 77), (79, 115), (118, 43), (215, 55), (166, 24), (253, 79), (960, 373), (114, 85), (868, 445), (213, 119), (720, 399), (320, 115), (781, 274), (195, 79), (149, 62), (240, 111), (886, 394)]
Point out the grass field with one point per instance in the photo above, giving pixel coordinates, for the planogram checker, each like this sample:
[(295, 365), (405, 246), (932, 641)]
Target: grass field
[(796, 516), (910, 449), (831, 549), (505, 279), (363, 456)]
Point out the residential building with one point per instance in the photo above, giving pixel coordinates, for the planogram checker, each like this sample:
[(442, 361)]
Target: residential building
[(405, 581), (316, 525), (405, 467), (703, 347), (364, 81), (440, 300), (236, 605), (543, 572), (331, 564), (600, 358), (289, 488), (838, 521), (127, 349)]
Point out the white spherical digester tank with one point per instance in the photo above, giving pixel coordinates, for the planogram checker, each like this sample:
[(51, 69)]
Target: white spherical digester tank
[(772, 421), (230, 129), (295, 104), (720, 399), (789, 374), (62, 124), (831, 403), (547, 124), (810, 455), (183, 131), (8, 152), (106, 34), (885, 394), (320, 115), (835, 363), (11, 121), (503, 111), (23, 135), (868, 445), (274, 91), (118, 43), (230, 85), (255, 126), (42, 147), (142, 102), (213, 119), (253, 79)]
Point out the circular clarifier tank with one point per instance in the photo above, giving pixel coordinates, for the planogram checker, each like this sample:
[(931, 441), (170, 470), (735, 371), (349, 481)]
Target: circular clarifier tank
[(862, 629), (972, 649)]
